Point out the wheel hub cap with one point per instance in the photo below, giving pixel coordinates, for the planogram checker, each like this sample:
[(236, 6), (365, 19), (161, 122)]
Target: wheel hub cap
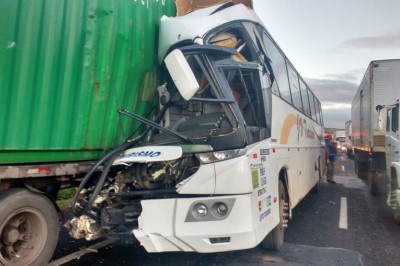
[(10, 235)]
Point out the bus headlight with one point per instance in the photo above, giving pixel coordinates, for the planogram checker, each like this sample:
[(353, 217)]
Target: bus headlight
[(200, 210), (221, 208), (211, 157), (210, 210)]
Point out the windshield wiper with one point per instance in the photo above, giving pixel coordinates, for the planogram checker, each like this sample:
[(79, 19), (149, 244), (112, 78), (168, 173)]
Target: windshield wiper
[(154, 125)]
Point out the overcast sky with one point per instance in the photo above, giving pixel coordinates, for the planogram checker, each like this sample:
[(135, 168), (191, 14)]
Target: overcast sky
[(332, 42)]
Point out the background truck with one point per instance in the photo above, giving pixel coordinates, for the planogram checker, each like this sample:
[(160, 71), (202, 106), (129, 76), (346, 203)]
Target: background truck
[(65, 69), (379, 86), (340, 139), (392, 145), (348, 142)]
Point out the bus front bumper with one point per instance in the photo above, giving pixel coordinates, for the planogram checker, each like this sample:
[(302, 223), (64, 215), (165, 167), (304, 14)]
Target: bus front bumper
[(173, 225)]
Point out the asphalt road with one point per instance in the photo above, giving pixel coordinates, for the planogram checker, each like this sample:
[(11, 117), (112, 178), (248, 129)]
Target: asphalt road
[(320, 233)]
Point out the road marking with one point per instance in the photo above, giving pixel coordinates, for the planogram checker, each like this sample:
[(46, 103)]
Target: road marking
[(343, 168), (343, 213)]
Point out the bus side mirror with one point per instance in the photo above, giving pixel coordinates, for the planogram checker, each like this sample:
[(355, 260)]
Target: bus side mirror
[(181, 74)]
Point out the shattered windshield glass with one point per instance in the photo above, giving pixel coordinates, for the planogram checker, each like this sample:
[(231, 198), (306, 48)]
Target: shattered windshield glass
[(208, 112)]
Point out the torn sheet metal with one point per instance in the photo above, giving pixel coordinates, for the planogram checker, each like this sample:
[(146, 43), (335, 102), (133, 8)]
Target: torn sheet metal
[(184, 7)]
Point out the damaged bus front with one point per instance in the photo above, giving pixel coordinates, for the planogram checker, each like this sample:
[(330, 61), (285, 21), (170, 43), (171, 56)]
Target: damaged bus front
[(195, 180)]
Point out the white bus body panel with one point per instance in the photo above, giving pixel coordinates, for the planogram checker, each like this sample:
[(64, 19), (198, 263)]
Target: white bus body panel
[(297, 146), (162, 227)]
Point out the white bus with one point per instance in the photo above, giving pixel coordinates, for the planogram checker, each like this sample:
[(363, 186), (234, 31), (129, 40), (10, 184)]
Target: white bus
[(233, 147)]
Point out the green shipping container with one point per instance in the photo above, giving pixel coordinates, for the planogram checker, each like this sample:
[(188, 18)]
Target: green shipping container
[(66, 67)]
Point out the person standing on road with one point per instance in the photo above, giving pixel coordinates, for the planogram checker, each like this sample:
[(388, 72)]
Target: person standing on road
[(331, 163)]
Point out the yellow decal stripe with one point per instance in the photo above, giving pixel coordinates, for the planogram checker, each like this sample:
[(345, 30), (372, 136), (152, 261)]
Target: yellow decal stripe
[(290, 121)]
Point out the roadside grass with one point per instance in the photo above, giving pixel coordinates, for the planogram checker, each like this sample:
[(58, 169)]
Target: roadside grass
[(65, 196)]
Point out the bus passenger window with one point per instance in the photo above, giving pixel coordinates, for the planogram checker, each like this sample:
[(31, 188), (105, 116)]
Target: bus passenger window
[(278, 63), (247, 92), (294, 87), (304, 96)]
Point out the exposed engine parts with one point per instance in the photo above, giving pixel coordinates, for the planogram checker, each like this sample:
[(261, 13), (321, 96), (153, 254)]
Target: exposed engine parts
[(115, 210)]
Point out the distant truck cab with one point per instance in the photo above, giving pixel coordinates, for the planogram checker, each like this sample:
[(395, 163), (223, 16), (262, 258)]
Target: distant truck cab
[(392, 156)]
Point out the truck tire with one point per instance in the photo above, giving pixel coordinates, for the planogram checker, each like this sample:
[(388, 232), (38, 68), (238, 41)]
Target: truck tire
[(396, 216), (393, 199), (361, 169), (372, 183), (28, 228), (274, 240)]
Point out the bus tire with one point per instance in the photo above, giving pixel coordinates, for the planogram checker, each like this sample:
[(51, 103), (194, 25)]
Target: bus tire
[(274, 240), (28, 228)]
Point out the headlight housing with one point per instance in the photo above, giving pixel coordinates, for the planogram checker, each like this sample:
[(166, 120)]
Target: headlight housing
[(211, 157)]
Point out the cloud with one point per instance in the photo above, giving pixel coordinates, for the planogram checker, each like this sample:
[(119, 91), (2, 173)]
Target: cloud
[(336, 118), (336, 106), (351, 76), (388, 40), (333, 90)]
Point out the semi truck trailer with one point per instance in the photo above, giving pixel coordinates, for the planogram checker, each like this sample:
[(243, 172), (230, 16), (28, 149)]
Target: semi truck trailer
[(66, 67), (379, 86)]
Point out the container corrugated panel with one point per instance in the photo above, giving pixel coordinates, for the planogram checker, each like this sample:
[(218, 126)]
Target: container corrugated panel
[(66, 67), (380, 86), (386, 85)]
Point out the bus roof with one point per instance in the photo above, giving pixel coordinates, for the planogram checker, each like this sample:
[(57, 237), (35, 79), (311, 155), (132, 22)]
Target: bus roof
[(196, 24)]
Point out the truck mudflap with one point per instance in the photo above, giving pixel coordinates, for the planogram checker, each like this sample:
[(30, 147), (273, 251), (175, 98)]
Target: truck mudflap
[(176, 225), (393, 199)]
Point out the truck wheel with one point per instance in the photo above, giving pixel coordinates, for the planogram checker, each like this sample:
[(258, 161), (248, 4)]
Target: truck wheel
[(362, 169), (396, 216), (28, 228), (274, 240), (372, 185)]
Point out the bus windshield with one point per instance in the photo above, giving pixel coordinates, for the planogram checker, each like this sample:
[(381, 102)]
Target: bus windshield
[(211, 114)]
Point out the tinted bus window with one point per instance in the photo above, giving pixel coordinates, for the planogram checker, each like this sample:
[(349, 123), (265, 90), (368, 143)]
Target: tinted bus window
[(304, 95), (322, 117), (312, 106), (279, 66), (294, 87), (317, 110)]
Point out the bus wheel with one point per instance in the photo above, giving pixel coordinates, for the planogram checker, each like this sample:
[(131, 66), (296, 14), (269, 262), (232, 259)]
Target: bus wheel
[(28, 228), (274, 240)]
